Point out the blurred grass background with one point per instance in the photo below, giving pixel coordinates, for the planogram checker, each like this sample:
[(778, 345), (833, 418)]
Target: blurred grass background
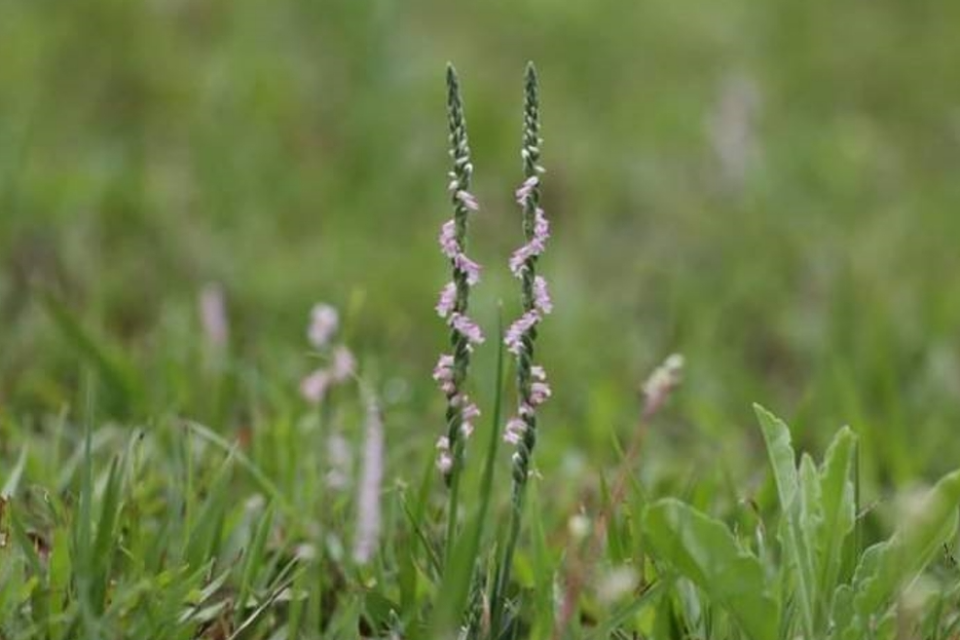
[(768, 188)]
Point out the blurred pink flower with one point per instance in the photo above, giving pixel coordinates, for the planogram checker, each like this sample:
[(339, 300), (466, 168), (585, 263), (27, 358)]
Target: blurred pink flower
[(443, 374), (213, 315), (539, 392), (324, 321), (470, 412), (514, 431), (344, 364), (368, 493), (314, 387), (444, 457), (444, 368)]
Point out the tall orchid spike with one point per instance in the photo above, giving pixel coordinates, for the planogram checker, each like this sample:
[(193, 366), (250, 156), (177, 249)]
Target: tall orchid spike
[(532, 387), (451, 371)]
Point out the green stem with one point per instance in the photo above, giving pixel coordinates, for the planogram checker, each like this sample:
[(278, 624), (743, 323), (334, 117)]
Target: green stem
[(453, 506), (506, 561)]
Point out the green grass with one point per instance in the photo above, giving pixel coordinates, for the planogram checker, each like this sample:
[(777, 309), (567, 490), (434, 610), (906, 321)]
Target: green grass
[(295, 152)]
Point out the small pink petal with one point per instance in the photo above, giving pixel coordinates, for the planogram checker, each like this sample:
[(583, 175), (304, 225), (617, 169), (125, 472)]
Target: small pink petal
[(468, 200), (448, 299)]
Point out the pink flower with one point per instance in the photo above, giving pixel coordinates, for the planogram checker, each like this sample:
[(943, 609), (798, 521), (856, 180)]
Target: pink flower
[(523, 193), (541, 226), (344, 365), (539, 392), (444, 368), (444, 458), (535, 247), (466, 327), (520, 328), (514, 431), (448, 239), (518, 261), (314, 387), (468, 267), (213, 316), (444, 462), (467, 200), (541, 296), (448, 298), (539, 389), (324, 321), (368, 492), (471, 411), (443, 374)]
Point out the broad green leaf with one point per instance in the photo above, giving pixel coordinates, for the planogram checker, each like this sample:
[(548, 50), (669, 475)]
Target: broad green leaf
[(704, 551), (809, 531), (793, 537), (888, 567), (838, 505), (842, 607), (776, 435)]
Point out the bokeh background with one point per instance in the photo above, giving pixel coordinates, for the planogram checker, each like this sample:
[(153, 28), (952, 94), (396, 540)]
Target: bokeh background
[(769, 188)]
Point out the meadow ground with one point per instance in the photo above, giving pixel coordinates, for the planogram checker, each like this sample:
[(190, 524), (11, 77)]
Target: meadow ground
[(768, 189)]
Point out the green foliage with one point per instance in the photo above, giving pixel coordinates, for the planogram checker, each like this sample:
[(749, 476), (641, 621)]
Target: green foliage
[(703, 550), (887, 567), (817, 515)]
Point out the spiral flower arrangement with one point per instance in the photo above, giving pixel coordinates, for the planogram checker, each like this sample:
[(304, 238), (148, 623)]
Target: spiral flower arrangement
[(451, 369), (532, 387)]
